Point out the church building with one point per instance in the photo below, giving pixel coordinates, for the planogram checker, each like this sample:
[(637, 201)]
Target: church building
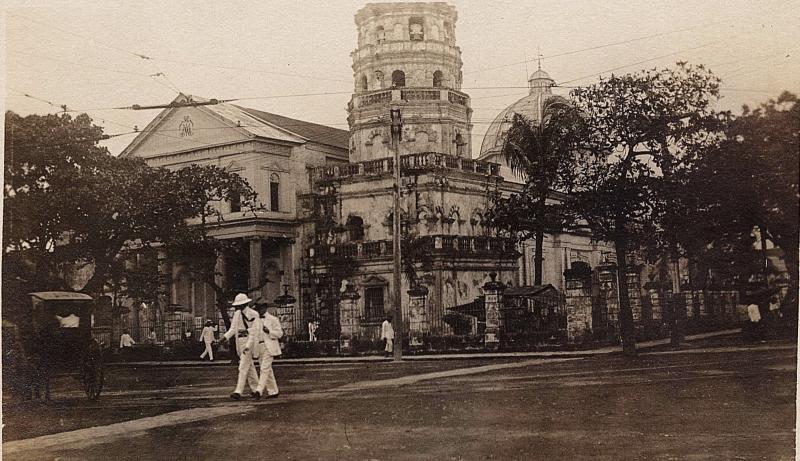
[(327, 226)]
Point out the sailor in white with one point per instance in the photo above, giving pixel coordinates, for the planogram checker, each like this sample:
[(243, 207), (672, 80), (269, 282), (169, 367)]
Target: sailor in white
[(244, 323), (207, 336), (266, 339)]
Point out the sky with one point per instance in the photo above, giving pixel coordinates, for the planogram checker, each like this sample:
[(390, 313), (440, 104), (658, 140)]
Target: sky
[(293, 57)]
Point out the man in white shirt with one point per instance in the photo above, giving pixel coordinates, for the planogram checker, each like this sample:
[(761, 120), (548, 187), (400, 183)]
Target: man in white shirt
[(387, 334), (244, 324), (270, 331), (207, 336), (125, 345)]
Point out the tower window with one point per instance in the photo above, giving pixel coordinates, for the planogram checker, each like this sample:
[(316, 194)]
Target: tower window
[(437, 79), (380, 35), (236, 203), (274, 192), (416, 29), (398, 78), (363, 83)]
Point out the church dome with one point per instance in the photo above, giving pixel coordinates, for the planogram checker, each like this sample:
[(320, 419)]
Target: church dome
[(540, 90)]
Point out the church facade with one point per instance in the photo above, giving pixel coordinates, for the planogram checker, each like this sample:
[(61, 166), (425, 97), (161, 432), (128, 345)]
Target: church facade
[(328, 193)]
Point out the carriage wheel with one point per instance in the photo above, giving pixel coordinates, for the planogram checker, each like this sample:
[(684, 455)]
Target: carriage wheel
[(92, 376)]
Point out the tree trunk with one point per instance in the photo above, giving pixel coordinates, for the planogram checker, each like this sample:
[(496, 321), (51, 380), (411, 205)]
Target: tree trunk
[(625, 312), (538, 258)]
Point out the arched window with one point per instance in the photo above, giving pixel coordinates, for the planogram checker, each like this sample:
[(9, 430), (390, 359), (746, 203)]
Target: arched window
[(416, 30), (437, 79), (362, 83), (460, 145), (274, 192), (398, 78), (355, 228), (380, 35)]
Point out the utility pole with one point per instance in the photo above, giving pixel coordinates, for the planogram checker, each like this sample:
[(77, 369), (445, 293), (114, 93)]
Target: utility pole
[(397, 321)]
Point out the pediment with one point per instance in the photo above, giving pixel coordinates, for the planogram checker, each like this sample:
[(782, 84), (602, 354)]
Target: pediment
[(183, 129)]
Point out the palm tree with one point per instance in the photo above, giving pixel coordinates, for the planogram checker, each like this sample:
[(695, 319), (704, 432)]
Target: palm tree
[(539, 152)]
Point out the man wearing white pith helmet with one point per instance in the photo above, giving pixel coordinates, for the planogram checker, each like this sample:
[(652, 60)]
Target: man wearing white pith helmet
[(244, 323)]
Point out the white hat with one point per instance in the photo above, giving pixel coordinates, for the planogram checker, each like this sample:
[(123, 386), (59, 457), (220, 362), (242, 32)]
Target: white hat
[(240, 299)]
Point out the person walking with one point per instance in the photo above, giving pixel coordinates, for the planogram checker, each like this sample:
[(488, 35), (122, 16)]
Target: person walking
[(207, 336), (244, 323), (387, 334), (270, 331)]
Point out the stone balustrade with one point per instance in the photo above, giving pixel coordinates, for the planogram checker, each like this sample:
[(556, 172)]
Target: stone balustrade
[(410, 94), (434, 245), (408, 163)]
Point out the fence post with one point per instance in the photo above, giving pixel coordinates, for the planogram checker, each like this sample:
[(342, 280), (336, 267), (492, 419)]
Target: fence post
[(493, 290), (418, 324), (578, 294)]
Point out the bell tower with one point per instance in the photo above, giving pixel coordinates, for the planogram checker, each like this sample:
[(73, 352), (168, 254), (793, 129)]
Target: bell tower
[(407, 58)]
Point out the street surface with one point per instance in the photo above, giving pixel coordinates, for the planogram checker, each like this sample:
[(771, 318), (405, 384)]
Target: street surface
[(711, 401)]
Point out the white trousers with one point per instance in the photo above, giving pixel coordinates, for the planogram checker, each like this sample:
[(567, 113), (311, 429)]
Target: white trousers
[(267, 378), (389, 345), (247, 373), (209, 352)]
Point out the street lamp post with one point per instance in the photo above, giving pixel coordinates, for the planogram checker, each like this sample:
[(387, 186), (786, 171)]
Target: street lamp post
[(397, 128)]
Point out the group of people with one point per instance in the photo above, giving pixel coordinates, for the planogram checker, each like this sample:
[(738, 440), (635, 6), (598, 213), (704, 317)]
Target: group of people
[(257, 333)]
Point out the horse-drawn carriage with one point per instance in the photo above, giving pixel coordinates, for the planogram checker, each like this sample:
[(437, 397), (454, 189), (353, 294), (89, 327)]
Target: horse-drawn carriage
[(52, 335)]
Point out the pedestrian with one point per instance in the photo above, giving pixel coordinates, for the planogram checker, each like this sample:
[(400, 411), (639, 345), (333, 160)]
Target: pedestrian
[(387, 334), (244, 323), (312, 330), (754, 324), (207, 336), (267, 340), (126, 345), (187, 337)]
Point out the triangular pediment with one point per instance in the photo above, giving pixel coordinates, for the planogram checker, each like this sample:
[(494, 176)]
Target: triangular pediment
[(182, 129)]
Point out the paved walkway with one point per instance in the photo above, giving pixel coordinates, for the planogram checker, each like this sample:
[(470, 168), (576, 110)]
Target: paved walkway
[(462, 356)]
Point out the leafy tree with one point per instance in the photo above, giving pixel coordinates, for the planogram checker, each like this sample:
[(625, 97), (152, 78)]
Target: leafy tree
[(71, 208), (751, 180), (541, 153), (637, 131)]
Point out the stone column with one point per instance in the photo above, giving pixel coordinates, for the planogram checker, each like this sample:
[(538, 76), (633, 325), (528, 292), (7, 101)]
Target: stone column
[(349, 321), (254, 278), (578, 292), (418, 325), (493, 290)]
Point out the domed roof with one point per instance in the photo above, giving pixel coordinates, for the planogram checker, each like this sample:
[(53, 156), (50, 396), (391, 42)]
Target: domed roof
[(539, 74), (529, 106)]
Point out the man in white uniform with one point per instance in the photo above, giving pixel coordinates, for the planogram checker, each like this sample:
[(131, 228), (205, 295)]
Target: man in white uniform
[(387, 334), (207, 336), (270, 331), (244, 323)]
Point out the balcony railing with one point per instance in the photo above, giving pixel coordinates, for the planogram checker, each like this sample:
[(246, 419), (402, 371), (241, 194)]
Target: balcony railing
[(409, 163), (451, 246), (410, 94)]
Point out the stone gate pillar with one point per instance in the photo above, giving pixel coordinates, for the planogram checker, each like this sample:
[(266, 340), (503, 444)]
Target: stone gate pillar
[(348, 317), (578, 293), (607, 289), (286, 303), (493, 291), (418, 325)]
